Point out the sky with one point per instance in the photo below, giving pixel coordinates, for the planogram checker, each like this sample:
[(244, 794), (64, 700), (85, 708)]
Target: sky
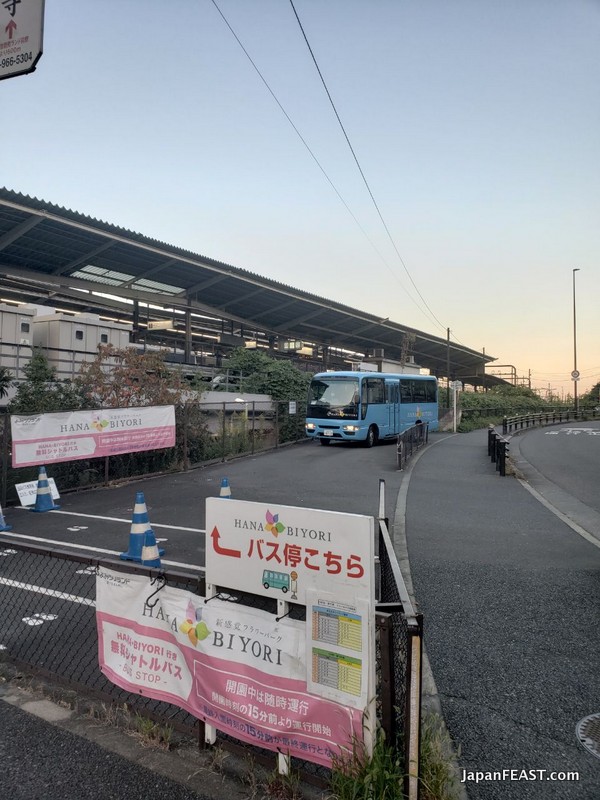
[(475, 124)]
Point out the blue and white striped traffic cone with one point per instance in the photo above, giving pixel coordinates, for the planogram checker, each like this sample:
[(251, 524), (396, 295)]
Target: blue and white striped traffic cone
[(140, 524), (43, 498), (150, 551), (3, 525), (225, 489)]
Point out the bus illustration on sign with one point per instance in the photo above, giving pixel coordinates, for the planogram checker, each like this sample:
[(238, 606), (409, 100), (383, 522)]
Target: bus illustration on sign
[(276, 580)]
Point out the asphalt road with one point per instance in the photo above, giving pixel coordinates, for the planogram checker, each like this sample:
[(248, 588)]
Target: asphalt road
[(42, 761), (509, 592), (510, 595), (569, 456), (337, 478)]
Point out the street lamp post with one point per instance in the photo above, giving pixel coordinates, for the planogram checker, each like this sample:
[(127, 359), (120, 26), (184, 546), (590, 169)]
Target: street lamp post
[(575, 374)]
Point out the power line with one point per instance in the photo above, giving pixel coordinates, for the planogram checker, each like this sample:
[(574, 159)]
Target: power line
[(317, 162), (362, 174)]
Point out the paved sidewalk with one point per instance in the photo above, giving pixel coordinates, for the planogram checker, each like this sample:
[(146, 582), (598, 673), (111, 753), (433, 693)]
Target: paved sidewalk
[(510, 595)]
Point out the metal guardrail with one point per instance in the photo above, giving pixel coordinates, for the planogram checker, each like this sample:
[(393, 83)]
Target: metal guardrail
[(524, 421), (497, 450), (409, 441)]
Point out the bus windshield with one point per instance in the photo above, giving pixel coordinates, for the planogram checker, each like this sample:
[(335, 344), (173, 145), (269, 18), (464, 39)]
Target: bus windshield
[(333, 397)]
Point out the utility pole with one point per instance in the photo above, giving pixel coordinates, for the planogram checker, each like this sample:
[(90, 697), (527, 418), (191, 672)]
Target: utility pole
[(575, 373), (448, 367)]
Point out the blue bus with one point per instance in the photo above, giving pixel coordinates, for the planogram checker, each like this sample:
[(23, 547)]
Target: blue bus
[(368, 406)]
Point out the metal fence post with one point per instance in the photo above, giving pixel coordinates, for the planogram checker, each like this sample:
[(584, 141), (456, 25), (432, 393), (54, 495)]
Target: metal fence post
[(388, 688), (186, 459), (503, 449), (412, 726), (223, 436), (5, 426)]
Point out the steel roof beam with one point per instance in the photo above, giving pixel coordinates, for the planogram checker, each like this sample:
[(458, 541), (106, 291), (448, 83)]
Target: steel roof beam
[(78, 261), (18, 231)]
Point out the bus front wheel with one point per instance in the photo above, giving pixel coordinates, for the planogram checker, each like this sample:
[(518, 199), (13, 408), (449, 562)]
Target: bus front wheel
[(371, 437)]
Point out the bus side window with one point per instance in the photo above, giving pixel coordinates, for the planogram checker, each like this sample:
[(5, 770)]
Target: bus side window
[(375, 392), (431, 392), (405, 391), (418, 391)]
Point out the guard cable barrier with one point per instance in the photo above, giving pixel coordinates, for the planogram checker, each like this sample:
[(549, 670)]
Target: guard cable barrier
[(48, 629), (525, 421), (498, 449), (409, 441)]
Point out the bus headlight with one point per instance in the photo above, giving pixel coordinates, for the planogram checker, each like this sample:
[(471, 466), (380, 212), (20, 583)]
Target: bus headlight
[(310, 426), (350, 428)]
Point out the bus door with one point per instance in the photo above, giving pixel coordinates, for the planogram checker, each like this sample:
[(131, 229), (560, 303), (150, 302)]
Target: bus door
[(393, 398)]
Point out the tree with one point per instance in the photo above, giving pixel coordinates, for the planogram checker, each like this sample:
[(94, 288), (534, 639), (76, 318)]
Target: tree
[(591, 399), (119, 378), (41, 392), (5, 381), (262, 374)]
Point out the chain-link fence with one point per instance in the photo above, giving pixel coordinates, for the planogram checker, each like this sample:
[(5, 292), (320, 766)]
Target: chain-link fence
[(205, 431), (48, 627)]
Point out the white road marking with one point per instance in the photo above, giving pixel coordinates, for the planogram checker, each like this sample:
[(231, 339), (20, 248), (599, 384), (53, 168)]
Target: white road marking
[(30, 587), (39, 619), (128, 521), (97, 549), (573, 525)]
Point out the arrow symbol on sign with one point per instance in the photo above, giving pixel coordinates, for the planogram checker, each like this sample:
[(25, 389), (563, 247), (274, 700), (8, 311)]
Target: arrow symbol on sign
[(223, 551), (11, 28)]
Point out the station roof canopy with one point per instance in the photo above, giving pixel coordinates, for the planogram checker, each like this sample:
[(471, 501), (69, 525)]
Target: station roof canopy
[(51, 255)]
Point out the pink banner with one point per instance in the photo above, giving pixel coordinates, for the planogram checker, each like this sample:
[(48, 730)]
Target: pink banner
[(233, 667), (72, 436)]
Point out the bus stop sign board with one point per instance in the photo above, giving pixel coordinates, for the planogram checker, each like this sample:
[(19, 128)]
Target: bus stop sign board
[(21, 36)]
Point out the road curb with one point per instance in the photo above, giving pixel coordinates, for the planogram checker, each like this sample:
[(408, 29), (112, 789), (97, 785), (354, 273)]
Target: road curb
[(430, 699)]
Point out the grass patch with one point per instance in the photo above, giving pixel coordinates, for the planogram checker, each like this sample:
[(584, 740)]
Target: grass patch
[(381, 777), (438, 778), (475, 423), (358, 777), (152, 733)]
